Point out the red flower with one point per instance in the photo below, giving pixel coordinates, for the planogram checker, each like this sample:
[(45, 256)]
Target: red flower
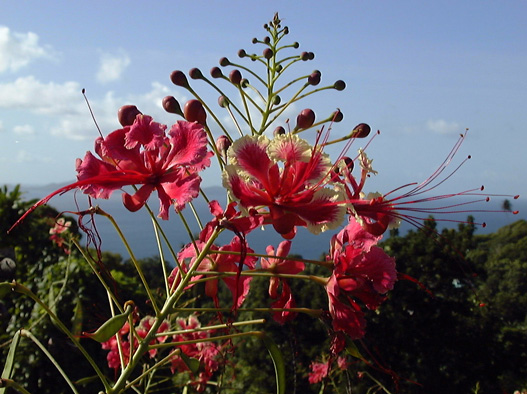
[(223, 262), (294, 194), (362, 272), (281, 266), (142, 154)]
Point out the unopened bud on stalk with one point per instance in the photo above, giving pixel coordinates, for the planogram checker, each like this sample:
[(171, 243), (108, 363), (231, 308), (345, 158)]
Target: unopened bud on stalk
[(195, 73), (279, 131), (171, 105), (314, 78), (215, 72), (244, 83), (126, 114), (242, 53), (222, 144), (266, 40), (268, 53), (276, 100), (223, 101), (304, 56), (255, 40), (361, 130), (337, 116), (224, 62), (286, 30), (296, 45), (194, 112), (339, 85), (346, 163), (305, 119), (235, 77), (178, 78)]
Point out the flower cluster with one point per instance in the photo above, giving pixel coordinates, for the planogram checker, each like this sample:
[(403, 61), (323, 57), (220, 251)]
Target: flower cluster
[(273, 180)]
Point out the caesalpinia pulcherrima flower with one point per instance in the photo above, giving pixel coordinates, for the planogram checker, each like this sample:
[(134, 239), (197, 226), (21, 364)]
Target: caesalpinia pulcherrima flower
[(290, 195)]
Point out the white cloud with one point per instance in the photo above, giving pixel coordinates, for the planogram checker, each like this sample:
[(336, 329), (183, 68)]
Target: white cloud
[(17, 50), (112, 66), (24, 130), (441, 126)]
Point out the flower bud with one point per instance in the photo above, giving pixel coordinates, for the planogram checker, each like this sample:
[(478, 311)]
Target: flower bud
[(345, 163), (244, 83), (311, 55), (305, 119), (361, 130), (255, 40), (279, 131), (195, 73), (242, 53), (222, 144), (279, 68), (178, 78), (126, 114), (235, 77), (314, 78), (266, 40), (268, 53), (215, 72), (276, 100), (223, 101), (304, 56), (337, 116), (286, 30), (339, 85), (224, 62), (194, 112), (171, 105), (296, 45)]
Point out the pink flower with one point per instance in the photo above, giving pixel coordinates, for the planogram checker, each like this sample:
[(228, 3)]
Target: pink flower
[(279, 265), (319, 371), (294, 194), (142, 154), (362, 272), (223, 262), (61, 226)]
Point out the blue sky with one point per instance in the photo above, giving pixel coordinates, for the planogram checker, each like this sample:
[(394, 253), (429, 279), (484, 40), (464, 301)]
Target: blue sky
[(421, 72)]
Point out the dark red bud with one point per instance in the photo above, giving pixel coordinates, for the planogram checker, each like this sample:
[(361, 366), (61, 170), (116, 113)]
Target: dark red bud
[(178, 78), (361, 130), (235, 77), (314, 78), (194, 112), (286, 30), (195, 73), (266, 40), (279, 131), (339, 85), (347, 163), (304, 56), (305, 119), (337, 116), (222, 144), (268, 53), (126, 114), (255, 40), (311, 55), (223, 101), (296, 45), (242, 53), (224, 62), (171, 105), (215, 72)]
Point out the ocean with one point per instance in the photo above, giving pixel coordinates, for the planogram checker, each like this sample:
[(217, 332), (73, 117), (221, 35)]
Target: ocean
[(137, 226)]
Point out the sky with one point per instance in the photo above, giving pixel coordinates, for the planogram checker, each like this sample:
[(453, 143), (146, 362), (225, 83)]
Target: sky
[(420, 72)]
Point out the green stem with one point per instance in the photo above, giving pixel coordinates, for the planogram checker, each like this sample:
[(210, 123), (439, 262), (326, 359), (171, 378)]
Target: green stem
[(24, 290), (29, 335)]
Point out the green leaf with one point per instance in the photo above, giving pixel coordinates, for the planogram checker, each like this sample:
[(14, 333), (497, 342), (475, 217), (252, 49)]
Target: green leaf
[(352, 350), (190, 362), (110, 327), (278, 361), (9, 361), (5, 288), (78, 313)]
